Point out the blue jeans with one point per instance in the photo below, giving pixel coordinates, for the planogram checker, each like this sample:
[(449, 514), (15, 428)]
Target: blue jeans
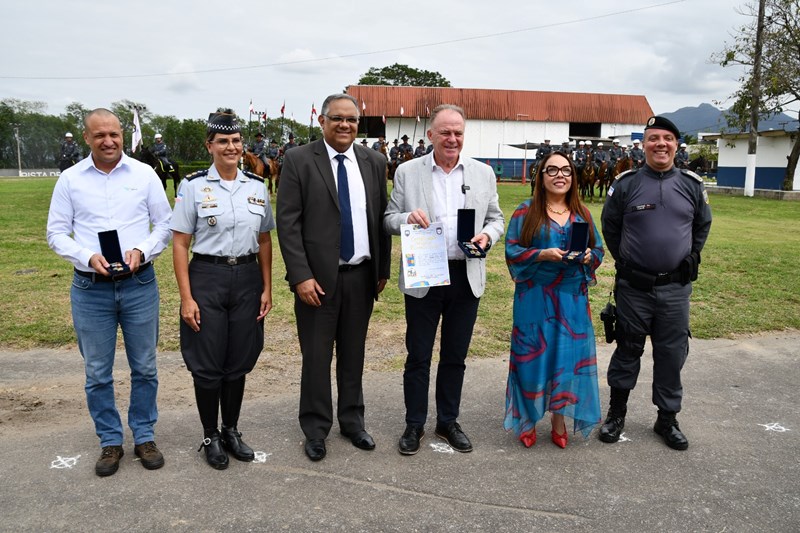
[(97, 308)]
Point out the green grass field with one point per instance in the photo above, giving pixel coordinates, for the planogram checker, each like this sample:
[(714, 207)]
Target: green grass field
[(747, 282)]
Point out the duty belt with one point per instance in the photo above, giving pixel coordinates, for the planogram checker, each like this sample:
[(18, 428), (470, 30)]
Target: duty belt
[(638, 276)]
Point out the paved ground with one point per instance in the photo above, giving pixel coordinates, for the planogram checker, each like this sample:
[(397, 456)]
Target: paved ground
[(739, 474)]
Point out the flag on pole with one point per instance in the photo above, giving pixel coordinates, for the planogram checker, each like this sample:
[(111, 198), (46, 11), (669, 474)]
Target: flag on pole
[(427, 110), (252, 110), (417, 118), (313, 112), (401, 111), (363, 106), (136, 138), (283, 107), (383, 118)]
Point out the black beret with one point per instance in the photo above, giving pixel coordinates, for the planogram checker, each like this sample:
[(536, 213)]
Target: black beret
[(661, 123), (222, 123)]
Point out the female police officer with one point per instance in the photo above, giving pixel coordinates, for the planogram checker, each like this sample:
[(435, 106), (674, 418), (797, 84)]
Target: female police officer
[(226, 290)]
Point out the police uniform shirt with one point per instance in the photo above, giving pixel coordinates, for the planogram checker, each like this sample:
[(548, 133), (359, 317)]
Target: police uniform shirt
[(160, 149), (259, 147), (225, 218), (655, 219), (637, 154), (358, 201), (682, 156)]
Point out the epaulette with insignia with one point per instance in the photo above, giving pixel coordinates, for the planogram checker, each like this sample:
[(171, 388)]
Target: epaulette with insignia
[(687, 172), (630, 172), (252, 176), (197, 174)]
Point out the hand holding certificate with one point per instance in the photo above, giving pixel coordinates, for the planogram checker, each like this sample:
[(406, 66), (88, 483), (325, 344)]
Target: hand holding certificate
[(424, 255)]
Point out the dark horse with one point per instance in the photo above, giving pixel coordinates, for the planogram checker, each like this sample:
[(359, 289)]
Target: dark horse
[(698, 165), (586, 181), (402, 157), (148, 158), (256, 165)]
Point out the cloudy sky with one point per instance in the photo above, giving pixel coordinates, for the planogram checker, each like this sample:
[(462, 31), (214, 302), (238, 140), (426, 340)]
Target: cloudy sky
[(186, 58)]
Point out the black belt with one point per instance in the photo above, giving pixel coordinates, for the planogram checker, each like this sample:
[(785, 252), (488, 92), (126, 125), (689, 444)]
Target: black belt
[(638, 276), (224, 260), (94, 276), (348, 267)]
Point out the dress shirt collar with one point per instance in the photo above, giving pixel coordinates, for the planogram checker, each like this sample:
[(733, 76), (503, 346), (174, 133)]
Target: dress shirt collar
[(459, 163), (350, 153)]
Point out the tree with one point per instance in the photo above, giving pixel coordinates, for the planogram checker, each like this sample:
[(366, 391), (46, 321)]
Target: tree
[(780, 68), (404, 75)]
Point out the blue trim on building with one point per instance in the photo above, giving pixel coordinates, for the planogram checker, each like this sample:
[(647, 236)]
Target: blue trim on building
[(506, 168), (766, 177)]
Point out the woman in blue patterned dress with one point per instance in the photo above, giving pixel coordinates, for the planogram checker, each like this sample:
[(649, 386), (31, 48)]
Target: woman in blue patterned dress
[(553, 363)]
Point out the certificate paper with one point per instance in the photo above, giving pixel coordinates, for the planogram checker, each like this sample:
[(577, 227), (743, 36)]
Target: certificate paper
[(424, 255)]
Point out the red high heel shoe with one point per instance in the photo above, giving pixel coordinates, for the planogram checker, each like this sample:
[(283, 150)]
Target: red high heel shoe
[(559, 440), (528, 438)]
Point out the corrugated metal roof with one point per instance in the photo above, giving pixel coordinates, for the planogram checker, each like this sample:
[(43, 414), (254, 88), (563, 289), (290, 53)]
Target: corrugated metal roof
[(495, 104)]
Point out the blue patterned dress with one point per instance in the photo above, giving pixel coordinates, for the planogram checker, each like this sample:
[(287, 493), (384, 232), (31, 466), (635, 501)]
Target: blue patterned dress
[(553, 361)]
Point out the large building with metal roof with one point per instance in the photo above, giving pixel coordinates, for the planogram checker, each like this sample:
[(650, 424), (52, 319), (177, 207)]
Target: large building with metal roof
[(499, 119)]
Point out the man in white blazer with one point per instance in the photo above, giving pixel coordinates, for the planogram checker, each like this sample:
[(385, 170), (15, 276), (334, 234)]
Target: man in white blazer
[(432, 189)]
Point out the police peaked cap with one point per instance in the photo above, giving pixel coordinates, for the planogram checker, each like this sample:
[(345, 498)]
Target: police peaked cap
[(222, 123), (661, 123)]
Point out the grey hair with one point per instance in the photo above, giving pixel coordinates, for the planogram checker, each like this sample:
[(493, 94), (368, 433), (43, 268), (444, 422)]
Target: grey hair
[(452, 107), (338, 96)]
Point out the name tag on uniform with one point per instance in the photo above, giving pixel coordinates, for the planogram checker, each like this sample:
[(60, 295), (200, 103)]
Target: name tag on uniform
[(256, 201), (643, 207), (208, 206)]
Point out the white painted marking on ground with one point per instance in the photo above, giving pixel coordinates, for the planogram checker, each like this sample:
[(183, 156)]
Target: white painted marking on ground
[(64, 462), (774, 426), (442, 447), (261, 457)]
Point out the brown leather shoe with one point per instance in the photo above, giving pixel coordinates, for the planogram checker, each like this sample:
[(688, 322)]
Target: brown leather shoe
[(152, 459), (109, 461)]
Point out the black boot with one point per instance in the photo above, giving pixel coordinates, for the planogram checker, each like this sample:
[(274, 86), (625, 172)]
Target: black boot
[(611, 430), (233, 443), (667, 426), (215, 455), (208, 407), (231, 402)]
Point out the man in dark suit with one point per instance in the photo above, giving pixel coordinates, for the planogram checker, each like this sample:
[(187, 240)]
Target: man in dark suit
[(430, 189), (337, 254)]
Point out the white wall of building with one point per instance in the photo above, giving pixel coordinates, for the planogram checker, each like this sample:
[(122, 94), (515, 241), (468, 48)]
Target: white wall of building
[(771, 152)]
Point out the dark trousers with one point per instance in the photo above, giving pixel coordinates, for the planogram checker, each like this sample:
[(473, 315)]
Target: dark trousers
[(230, 339), (458, 309), (342, 319), (662, 313)]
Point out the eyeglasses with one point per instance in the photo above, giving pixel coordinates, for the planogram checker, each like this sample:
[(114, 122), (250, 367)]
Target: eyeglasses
[(336, 119), (222, 143), (552, 171)]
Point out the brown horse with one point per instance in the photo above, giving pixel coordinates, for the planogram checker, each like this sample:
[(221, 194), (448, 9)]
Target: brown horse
[(586, 181), (256, 165), (603, 178)]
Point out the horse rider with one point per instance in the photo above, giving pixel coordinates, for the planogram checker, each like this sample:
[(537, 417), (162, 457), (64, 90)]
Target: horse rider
[(625, 154), (637, 154), (69, 153), (289, 145), (614, 154), (565, 149), (420, 150), (160, 151), (365, 143), (580, 157), (394, 152), (377, 145), (682, 157), (405, 147), (259, 149), (273, 151), (543, 151), (599, 157)]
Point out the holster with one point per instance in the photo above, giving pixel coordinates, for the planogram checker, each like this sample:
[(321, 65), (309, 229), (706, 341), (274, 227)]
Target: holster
[(690, 267)]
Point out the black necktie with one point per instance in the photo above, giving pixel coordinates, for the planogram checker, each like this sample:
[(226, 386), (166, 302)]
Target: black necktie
[(348, 248)]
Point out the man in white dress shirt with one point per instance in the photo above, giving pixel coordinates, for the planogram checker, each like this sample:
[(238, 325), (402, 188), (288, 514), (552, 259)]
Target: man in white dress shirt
[(110, 191)]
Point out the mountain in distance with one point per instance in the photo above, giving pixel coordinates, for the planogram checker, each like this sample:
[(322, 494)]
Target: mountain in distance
[(708, 119)]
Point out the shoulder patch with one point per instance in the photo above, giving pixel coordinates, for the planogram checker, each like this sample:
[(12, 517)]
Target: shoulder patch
[(252, 176), (687, 172), (625, 174), (198, 174)]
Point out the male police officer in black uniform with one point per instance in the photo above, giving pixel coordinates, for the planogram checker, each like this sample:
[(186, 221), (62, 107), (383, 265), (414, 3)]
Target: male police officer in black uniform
[(655, 223)]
